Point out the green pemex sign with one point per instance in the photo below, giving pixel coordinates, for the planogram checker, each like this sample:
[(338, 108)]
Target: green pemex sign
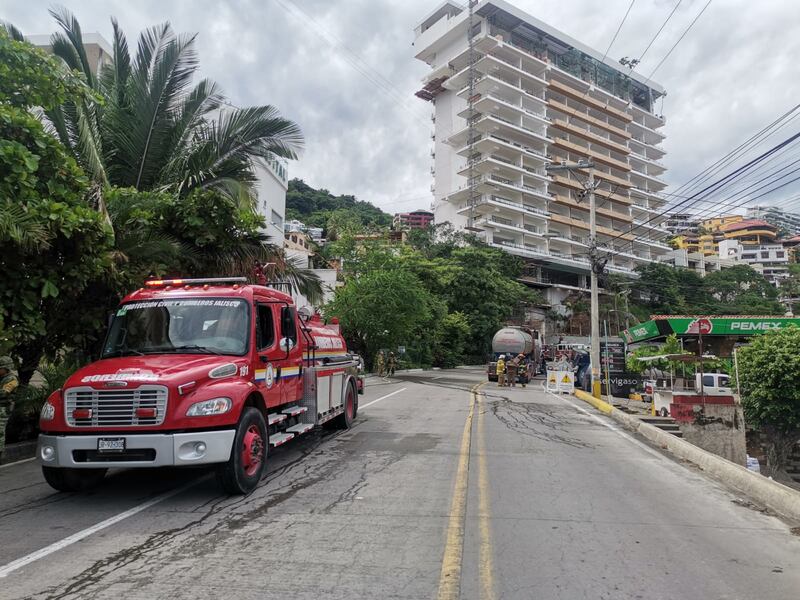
[(697, 325)]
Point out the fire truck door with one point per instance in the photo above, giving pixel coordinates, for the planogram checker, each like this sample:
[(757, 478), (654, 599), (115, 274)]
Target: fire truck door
[(291, 356), (269, 355)]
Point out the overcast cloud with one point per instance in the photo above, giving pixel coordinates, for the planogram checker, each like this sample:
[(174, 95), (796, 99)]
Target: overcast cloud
[(733, 73)]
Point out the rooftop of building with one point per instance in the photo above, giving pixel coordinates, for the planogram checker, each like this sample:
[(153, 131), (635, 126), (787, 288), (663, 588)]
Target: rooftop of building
[(749, 224), (524, 23), (43, 40)]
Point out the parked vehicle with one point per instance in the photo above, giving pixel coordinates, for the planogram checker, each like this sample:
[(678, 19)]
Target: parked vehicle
[(513, 341), (193, 372), (714, 385)]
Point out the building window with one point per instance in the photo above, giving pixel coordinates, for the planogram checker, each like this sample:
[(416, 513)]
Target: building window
[(780, 255), (765, 255), (277, 220)]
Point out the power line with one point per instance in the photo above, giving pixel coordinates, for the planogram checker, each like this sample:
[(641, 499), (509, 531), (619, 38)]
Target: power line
[(353, 59), (660, 29), (614, 39), (675, 45), (730, 177)]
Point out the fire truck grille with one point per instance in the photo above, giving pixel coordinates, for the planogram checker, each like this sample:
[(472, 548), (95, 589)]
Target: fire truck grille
[(88, 407)]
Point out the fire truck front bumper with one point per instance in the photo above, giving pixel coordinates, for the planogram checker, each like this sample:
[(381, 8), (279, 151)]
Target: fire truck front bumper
[(135, 450)]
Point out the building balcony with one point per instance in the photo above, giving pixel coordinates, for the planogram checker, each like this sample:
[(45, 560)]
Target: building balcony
[(649, 162), (494, 104), (650, 179), (492, 144), (507, 204), (570, 146), (587, 118), (594, 138), (581, 96), (489, 84), (569, 202), (575, 184), (573, 222)]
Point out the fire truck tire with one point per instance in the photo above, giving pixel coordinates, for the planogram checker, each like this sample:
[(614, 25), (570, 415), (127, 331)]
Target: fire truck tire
[(243, 471), (73, 480), (346, 419)]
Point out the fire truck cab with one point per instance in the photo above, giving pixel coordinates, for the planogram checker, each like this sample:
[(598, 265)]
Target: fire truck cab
[(197, 372)]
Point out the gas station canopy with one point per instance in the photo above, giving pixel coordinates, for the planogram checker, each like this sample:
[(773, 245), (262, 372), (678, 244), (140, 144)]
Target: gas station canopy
[(684, 326)]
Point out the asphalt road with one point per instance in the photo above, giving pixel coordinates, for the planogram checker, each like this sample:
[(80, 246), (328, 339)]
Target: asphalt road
[(435, 493)]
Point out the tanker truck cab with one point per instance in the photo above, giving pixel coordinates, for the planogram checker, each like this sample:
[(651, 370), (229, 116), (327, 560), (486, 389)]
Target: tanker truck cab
[(198, 372)]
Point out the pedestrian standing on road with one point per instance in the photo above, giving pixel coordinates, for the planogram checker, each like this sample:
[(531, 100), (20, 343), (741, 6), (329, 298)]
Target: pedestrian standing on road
[(8, 385), (512, 367), (501, 371), (380, 364), (391, 364)]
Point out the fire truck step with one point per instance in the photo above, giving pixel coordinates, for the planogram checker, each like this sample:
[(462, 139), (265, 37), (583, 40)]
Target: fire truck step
[(277, 439), (300, 428), (276, 418), (293, 411)]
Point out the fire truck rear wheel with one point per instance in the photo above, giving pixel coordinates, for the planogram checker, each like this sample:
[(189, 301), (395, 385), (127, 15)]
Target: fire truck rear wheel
[(73, 480), (243, 471), (345, 420)]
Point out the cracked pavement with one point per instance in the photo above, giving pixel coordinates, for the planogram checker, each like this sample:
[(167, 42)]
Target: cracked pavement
[(575, 510)]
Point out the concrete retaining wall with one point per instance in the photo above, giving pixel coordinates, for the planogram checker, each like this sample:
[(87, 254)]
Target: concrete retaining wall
[(782, 499)]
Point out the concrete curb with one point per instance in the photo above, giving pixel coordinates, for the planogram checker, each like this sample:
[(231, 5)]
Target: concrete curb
[(19, 451), (782, 499)]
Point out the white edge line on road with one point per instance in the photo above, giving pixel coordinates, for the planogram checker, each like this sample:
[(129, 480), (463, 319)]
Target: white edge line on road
[(17, 462), (611, 426), (382, 398), (76, 537)]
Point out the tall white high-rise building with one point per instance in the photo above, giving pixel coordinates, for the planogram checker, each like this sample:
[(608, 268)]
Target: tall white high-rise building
[(539, 97)]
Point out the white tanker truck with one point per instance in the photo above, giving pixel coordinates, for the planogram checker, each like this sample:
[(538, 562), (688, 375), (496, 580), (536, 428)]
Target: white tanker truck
[(512, 341)]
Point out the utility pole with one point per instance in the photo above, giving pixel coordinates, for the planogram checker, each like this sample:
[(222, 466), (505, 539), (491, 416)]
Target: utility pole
[(596, 267)]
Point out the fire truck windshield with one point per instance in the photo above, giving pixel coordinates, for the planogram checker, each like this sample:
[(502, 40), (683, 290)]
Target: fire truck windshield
[(179, 325)]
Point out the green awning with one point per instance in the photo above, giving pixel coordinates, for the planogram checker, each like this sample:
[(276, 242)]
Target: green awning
[(684, 325)]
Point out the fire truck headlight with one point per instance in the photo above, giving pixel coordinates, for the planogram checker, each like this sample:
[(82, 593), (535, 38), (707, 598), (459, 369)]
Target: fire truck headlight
[(48, 453), (215, 406), (48, 412)]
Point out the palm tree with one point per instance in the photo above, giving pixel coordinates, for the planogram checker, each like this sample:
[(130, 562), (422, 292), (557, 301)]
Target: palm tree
[(154, 131)]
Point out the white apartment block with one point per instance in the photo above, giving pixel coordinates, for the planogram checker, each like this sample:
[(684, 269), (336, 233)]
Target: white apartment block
[(782, 219), (271, 187), (541, 97), (697, 261), (771, 260)]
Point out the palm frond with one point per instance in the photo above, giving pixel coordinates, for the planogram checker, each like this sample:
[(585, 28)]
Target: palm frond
[(71, 43), (20, 227), (12, 31)]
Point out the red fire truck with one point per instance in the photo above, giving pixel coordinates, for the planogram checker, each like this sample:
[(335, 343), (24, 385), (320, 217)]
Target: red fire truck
[(194, 372)]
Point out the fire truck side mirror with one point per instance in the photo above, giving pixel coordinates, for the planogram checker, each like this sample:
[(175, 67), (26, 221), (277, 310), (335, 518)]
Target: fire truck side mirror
[(287, 344)]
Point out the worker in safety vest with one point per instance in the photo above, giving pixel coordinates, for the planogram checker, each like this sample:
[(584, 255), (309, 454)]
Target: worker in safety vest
[(391, 364), (501, 371), (8, 385), (380, 364)]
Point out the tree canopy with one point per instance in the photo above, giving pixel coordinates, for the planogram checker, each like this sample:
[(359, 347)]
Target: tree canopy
[(320, 208), (769, 371)]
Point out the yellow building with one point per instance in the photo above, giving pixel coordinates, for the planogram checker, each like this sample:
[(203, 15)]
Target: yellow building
[(750, 233), (717, 223)]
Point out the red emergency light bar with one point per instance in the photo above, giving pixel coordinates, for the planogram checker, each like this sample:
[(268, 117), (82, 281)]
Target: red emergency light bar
[(204, 281)]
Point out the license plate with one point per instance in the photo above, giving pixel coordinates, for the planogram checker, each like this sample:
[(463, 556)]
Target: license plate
[(111, 445)]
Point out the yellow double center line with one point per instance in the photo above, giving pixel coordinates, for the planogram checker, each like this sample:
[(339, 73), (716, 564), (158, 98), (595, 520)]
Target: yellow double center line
[(450, 576)]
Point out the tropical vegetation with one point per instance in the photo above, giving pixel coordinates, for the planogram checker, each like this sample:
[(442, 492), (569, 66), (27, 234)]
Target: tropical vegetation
[(441, 296), (111, 177), (769, 371)]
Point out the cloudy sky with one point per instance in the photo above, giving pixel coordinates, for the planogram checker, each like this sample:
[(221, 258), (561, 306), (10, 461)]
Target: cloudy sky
[(344, 70)]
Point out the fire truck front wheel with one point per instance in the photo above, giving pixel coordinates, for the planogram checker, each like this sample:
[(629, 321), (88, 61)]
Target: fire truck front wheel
[(243, 471), (73, 480)]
